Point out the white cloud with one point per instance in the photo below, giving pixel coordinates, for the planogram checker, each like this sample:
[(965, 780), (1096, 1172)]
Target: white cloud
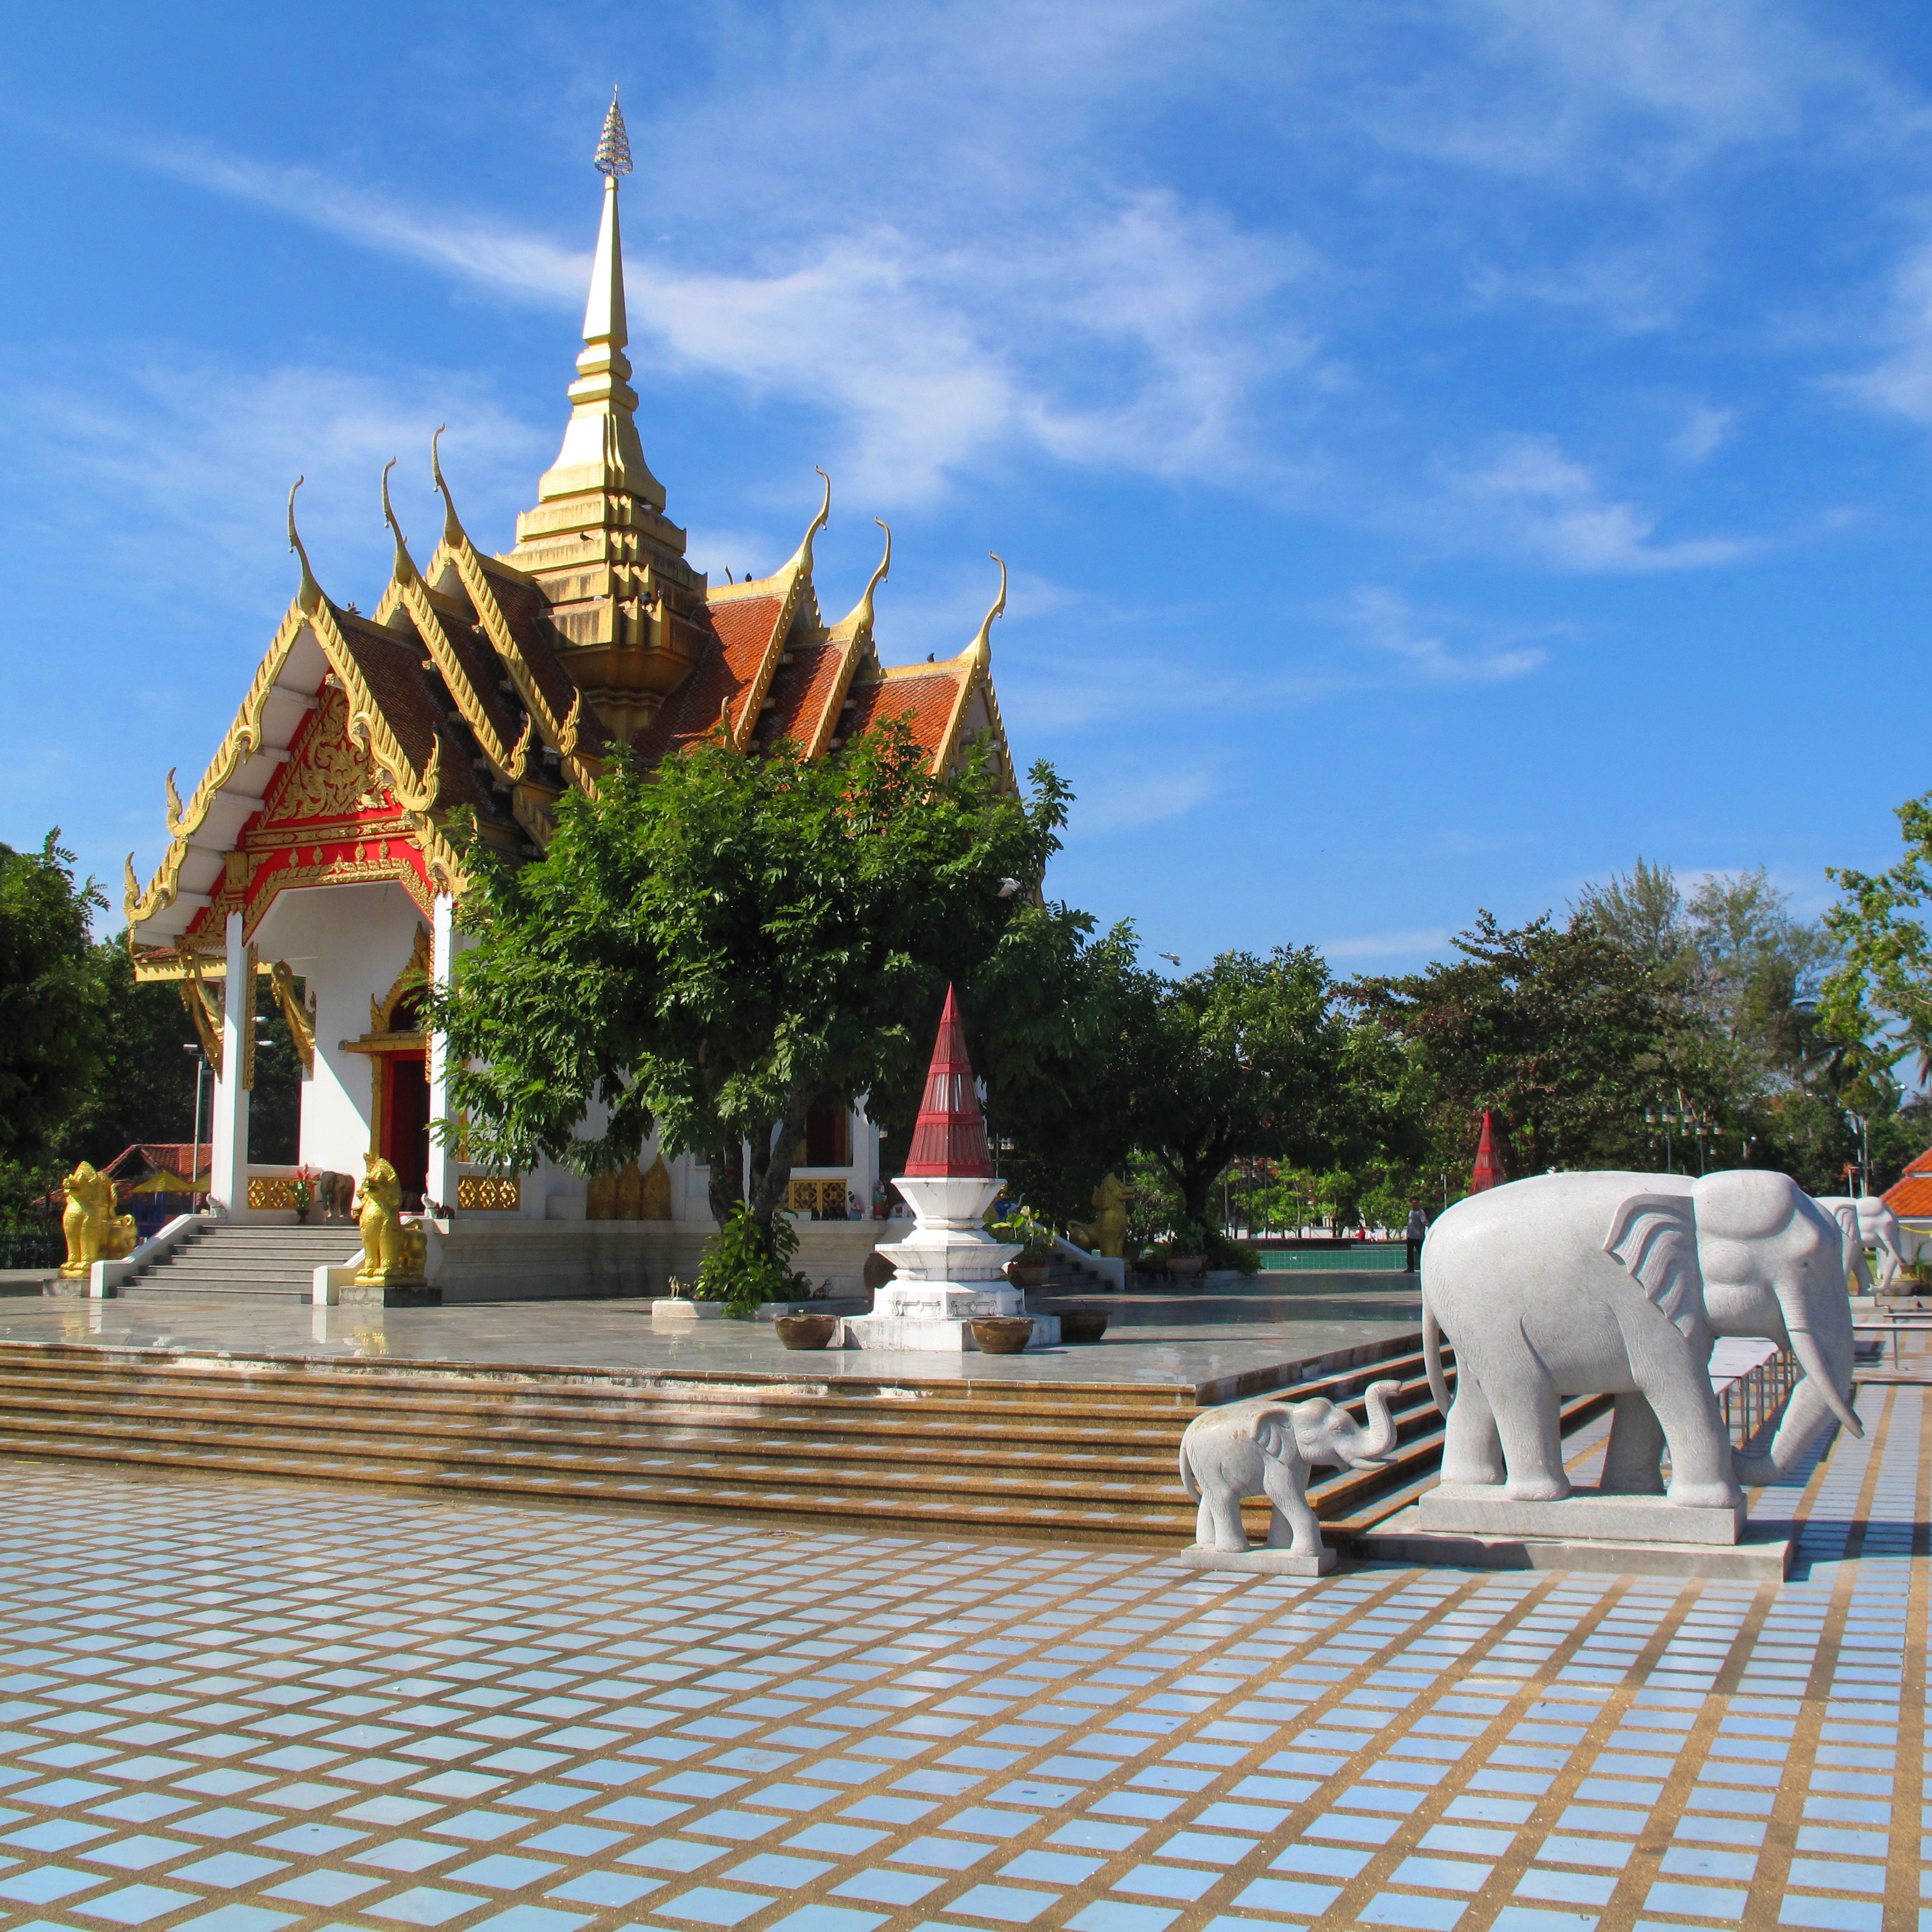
[(1634, 289), (1146, 798), (1532, 498), (184, 478), (1900, 383), (1637, 91), (1123, 336), (1386, 945), (1386, 620), (1706, 429)]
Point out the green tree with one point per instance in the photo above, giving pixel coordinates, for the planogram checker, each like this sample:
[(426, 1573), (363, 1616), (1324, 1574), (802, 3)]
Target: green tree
[(144, 1089), (721, 943), (1055, 1003), (1876, 1002), (52, 1004), (1251, 1056), (1563, 1031)]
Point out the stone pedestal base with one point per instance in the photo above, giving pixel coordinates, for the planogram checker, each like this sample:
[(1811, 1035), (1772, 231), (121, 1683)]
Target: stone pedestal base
[(935, 1333), (1583, 1517), (1265, 1562), (671, 1309), (1762, 1557)]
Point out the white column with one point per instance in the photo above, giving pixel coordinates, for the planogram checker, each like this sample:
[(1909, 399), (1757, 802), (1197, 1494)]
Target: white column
[(228, 1178), (440, 1184)]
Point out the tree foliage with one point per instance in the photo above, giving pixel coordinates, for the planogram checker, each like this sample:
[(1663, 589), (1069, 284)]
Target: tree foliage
[(144, 1087), (1562, 1031), (52, 1004), (719, 944)]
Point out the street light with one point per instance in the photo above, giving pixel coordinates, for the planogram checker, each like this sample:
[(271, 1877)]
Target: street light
[(1859, 1125)]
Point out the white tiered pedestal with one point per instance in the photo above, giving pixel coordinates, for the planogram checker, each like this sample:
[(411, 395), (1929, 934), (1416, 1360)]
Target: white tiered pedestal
[(950, 1270)]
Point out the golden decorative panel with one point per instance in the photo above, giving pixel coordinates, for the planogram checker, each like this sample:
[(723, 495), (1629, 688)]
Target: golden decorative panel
[(488, 1193), (270, 1190), (818, 1197), (332, 778)]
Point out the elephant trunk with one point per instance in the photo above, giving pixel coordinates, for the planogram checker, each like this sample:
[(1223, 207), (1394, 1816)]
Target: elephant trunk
[(1373, 1448), (1821, 1339)]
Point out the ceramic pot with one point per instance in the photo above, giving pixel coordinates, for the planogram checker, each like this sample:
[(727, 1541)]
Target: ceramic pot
[(1078, 1325), (1182, 1267), (806, 1331), (301, 1217), (1028, 1274), (1002, 1334)]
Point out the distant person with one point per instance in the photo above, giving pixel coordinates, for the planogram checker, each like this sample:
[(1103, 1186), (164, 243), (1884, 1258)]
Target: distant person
[(1412, 1237)]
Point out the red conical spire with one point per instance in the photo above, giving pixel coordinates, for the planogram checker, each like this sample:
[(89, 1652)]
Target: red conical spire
[(950, 1137), (1489, 1172)]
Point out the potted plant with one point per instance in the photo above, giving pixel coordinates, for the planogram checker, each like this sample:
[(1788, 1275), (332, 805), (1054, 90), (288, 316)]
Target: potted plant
[(301, 1194), (1029, 1268)]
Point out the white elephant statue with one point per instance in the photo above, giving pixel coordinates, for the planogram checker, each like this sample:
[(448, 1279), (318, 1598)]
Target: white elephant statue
[(1868, 1223), (1265, 1447), (1578, 1284)]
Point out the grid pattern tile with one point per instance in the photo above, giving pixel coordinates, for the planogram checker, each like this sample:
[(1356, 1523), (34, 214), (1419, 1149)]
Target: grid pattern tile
[(244, 1707)]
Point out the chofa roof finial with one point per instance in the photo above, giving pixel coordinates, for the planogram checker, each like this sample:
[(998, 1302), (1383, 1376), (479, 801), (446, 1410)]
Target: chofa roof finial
[(404, 568), (452, 524), (309, 593), (981, 649)]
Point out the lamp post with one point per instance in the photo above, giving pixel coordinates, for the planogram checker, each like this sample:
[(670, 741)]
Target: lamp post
[(1658, 1114), (1859, 1125), (194, 1146)]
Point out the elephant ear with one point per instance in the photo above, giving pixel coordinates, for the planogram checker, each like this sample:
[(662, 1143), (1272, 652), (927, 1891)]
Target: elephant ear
[(1654, 1236), (1846, 1213), (1274, 1434)]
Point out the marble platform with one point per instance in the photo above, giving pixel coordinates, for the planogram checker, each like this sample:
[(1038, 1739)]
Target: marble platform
[(1584, 1515)]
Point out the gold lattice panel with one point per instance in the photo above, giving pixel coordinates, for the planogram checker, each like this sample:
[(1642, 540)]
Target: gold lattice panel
[(270, 1190), (485, 1193)]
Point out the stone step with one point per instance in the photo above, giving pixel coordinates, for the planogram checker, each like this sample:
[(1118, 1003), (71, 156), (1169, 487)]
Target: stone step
[(1052, 1462)]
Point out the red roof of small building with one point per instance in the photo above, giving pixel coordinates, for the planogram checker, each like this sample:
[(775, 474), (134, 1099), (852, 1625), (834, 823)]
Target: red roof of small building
[(1910, 1197)]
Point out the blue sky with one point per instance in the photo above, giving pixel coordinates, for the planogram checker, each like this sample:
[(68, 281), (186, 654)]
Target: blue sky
[(1443, 450)]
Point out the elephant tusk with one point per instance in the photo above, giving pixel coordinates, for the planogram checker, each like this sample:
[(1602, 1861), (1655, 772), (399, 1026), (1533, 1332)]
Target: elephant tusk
[(1810, 1359)]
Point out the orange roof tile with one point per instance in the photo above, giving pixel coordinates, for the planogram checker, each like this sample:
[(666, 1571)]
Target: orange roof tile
[(744, 630), (925, 699)]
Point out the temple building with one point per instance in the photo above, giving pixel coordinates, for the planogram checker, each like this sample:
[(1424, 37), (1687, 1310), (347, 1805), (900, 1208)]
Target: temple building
[(314, 855)]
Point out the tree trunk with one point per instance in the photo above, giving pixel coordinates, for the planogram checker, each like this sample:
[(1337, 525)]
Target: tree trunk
[(772, 1148), (727, 1180)]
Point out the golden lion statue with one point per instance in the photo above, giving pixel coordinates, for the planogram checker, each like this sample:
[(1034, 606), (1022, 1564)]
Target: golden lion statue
[(393, 1250), (94, 1232), (1106, 1234)]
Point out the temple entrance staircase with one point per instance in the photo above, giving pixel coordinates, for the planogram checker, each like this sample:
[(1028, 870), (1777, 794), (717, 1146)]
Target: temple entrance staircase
[(271, 1263), (1087, 1462)]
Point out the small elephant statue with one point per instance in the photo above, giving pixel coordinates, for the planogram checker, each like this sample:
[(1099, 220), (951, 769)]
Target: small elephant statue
[(1266, 1447), (1618, 1284), (1868, 1222)]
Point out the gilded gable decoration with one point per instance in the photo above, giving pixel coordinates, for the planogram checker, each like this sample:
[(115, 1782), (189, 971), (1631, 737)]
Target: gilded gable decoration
[(410, 982)]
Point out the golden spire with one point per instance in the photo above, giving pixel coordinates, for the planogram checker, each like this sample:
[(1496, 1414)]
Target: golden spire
[(600, 451), (403, 571), (859, 623), (980, 650), (309, 594)]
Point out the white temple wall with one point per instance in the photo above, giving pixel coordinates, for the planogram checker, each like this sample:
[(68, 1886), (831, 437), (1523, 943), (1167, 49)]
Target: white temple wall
[(348, 943)]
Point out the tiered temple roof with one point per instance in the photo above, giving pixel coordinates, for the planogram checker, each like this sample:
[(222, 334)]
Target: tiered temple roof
[(490, 683)]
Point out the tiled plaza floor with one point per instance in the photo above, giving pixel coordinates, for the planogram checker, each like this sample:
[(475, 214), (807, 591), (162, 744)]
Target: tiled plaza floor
[(241, 1707)]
